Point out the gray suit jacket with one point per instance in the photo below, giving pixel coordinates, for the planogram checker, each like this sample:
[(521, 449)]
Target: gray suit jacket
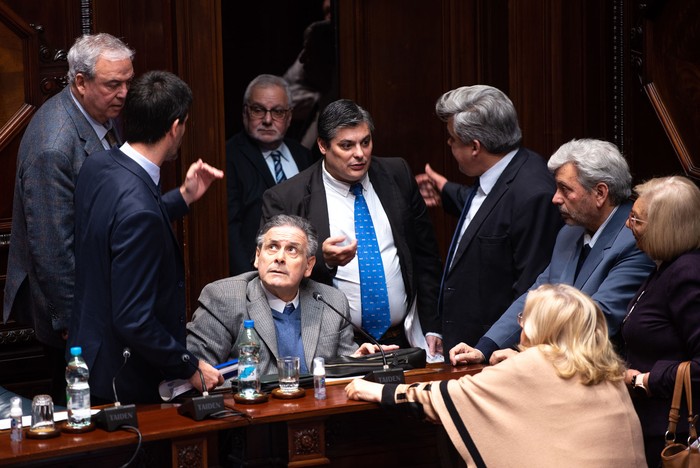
[(41, 264), (611, 274), (225, 304)]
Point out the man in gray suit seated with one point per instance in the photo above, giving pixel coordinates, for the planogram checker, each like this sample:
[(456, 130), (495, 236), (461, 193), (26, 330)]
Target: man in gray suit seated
[(279, 298), (594, 251)]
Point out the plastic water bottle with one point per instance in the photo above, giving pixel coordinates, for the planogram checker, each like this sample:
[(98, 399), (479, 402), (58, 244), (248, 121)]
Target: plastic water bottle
[(248, 345), (16, 420), (319, 379), (77, 390)]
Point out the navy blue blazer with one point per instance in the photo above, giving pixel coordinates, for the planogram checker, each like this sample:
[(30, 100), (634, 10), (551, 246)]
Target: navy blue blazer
[(611, 273), (130, 281), (506, 245), (305, 195), (247, 178)]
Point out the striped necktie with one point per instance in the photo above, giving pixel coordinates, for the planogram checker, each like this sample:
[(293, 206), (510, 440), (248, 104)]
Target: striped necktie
[(111, 138), (279, 172), (376, 316)]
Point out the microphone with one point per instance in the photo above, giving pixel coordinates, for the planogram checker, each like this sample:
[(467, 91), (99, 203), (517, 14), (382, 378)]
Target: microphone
[(384, 376), (200, 407), (113, 417)]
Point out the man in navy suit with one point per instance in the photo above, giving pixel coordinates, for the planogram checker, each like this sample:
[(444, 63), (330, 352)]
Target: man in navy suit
[(251, 163), (404, 233), (507, 222), (67, 128), (593, 251), (130, 280)]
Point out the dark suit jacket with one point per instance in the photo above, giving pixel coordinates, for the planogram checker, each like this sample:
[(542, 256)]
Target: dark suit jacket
[(305, 195), (41, 264), (506, 245), (662, 331), (130, 281), (247, 177)]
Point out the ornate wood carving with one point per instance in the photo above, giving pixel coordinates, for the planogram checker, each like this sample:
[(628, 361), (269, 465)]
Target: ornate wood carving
[(190, 453), (86, 16), (307, 443), (21, 335)]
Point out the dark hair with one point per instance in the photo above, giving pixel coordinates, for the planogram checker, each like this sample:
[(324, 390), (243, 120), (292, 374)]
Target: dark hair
[(343, 113), (155, 100)]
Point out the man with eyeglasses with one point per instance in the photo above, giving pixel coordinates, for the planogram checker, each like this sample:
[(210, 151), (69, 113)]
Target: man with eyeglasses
[(73, 124), (257, 158), (593, 251)]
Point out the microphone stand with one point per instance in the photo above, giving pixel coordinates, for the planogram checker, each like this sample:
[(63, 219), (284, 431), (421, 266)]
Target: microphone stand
[(202, 406), (384, 376), (113, 417)]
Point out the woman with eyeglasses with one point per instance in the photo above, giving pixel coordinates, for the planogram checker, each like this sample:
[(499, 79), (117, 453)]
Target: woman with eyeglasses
[(559, 402), (662, 326)]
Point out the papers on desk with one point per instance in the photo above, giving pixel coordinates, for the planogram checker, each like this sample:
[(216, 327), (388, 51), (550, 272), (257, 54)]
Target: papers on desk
[(27, 420), (170, 389)]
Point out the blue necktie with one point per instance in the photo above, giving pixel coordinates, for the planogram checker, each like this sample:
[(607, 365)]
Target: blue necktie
[(289, 341), (455, 239), (376, 317), (279, 172)]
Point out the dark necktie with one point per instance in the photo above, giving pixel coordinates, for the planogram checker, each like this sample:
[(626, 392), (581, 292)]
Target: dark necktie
[(585, 250), (111, 137), (279, 172), (455, 239), (289, 341), (376, 316)]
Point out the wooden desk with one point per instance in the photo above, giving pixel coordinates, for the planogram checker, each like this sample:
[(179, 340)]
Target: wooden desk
[(316, 432)]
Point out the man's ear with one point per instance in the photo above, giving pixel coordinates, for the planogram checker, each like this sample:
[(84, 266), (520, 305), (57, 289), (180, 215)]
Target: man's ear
[(257, 254), (310, 262), (321, 146), (80, 83), (601, 192)]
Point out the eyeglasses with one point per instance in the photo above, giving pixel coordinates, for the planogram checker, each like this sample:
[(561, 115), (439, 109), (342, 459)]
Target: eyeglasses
[(259, 112), (634, 221)]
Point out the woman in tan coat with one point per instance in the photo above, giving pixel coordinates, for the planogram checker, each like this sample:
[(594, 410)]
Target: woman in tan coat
[(560, 402)]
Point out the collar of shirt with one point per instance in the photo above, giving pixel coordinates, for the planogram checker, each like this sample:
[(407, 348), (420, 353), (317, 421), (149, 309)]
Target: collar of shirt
[(489, 178), (276, 303), (284, 151), (152, 169), (100, 130), (587, 239), (342, 188)]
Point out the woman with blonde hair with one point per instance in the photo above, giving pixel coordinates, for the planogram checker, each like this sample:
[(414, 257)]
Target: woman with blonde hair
[(662, 325), (561, 401)]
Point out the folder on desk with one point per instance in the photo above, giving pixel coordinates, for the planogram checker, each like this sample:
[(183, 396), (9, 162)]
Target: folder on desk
[(170, 389)]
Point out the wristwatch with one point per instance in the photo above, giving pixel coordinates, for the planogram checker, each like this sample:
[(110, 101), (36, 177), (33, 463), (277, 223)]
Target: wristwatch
[(639, 387)]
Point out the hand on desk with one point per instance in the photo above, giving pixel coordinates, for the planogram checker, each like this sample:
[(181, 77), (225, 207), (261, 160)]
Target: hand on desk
[(360, 389), (465, 354), (501, 355), (434, 345), (369, 348), (212, 377)]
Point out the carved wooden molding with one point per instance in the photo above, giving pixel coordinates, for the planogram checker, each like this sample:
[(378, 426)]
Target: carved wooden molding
[(190, 453), (86, 16), (669, 71), (22, 335), (307, 443)]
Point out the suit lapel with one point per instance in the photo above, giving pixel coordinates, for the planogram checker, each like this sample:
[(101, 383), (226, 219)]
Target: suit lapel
[(389, 197), (311, 311), (259, 310), (91, 144), (492, 199), (315, 207), (252, 153), (604, 242)]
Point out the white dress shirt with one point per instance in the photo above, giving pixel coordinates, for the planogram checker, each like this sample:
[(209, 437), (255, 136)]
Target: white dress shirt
[(288, 165)]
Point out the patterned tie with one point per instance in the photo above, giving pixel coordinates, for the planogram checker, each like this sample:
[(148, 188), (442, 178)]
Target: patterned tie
[(111, 138), (585, 250), (279, 172), (376, 317)]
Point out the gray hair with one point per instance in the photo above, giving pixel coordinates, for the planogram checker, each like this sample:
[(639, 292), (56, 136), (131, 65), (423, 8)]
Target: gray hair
[(596, 161), (342, 113), (282, 220), (482, 113), (87, 49), (267, 81)]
